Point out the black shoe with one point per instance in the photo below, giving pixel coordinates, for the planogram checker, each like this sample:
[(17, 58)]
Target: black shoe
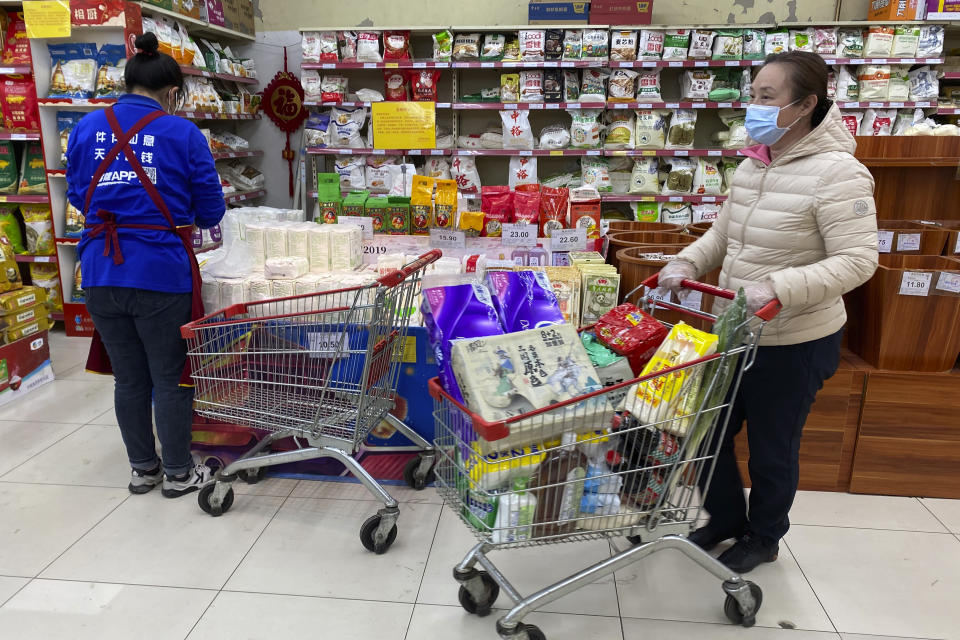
[(708, 537), (749, 552)]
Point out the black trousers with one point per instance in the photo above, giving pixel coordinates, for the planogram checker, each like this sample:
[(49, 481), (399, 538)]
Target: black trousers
[(774, 399)]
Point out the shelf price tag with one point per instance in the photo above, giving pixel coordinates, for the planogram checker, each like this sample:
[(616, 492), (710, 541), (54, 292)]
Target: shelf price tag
[(568, 240), (447, 239), (915, 283), (949, 282), (908, 242), (884, 241), (326, 345), (519, 235), (365, 224)]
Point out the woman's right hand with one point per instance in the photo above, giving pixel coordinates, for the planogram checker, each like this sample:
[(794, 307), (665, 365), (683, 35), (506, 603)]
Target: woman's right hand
[(675, 272)]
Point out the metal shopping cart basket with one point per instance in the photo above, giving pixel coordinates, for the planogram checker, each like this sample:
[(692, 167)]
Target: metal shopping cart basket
[(534, 479), (320, 367)]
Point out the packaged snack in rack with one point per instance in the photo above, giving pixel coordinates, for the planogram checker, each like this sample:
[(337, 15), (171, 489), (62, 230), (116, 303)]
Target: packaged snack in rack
[(396, 85), (906, 39), (436, 168), (707, 181), (463, 169), (553, 44), (346, 125), (595, 172), (622, 85), (701, 44), (333, 88), (572, 44), (39, 228), (320, 46), (650, 44), (726, 85), (112, 59), (10, 279), (874, 81), (651, 128), (931, 41), (623, 46), (311, 82), (646, 211), (493, 46), (396, 45), (753, 44), (522, 171), (776, 41), (585, 210), (466, 47), (825, 41), (442, 46), (511, 50), (531, 86), (728, 44), (47, 277), (532, 43), (398, 215), (66, 121), (593, 87), (736, 135), (421, 205), (848, 88), (680, 176), (632, 333), (849, 43), (510, 87), (517, 133), (924, 84), (802, 39), (33, 171), (645, 177), (554, 203), (553, 85), (676, 44), (554, 136), (10, 228), (879, 41), (20, 110), (77, 296), (16, 46), (348, 45), (696, 84), (424, 84), (585, 128), (682, 132), (600, 290), (620, 130), (74, 71), (9, 174), (571, 86), (368, 46), (596, 44), (75, 221), (878, 122), (706, 212), (899, 90)]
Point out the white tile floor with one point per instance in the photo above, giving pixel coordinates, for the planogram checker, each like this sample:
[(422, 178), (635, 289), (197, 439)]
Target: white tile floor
[(81, 558)]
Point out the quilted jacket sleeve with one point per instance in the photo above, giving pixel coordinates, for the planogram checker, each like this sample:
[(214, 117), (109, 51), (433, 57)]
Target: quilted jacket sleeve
[(846, 217), (708, 252)]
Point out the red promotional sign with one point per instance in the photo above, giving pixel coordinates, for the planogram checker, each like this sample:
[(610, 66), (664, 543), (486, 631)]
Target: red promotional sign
[(283, 103)]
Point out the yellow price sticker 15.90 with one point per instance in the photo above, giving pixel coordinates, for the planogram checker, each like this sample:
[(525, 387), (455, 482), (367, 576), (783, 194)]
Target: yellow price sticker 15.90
[(47, 18)]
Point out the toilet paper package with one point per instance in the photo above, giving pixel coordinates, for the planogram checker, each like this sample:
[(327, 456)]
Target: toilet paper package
[(232, 291), (282, 288), (319, 247), (258, 288), (298, 240), (254, 234), (210, 294), (345, 248), (275, 241), (523, 300), (306, 284), (286, 268)]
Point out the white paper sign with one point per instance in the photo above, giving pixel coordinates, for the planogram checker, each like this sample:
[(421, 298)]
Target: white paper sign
[(327, 345), (519, 235), (908, 242), (692, 300), (884, 241), (365, 224), (949, 282), (658, 294), (447, 239), (915, 283), (568, 239)]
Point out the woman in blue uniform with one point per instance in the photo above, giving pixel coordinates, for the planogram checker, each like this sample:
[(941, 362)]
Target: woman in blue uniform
[(144, 179)]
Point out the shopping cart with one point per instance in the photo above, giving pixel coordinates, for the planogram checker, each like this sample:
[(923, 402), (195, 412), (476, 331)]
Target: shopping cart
[(545, 488), (321, 368)]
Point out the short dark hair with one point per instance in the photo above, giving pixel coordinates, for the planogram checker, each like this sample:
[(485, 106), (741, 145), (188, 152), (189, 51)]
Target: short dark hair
[(807, 73), (151, 69)]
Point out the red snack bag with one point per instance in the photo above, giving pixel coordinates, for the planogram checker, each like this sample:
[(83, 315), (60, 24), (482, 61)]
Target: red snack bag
[(20, 104), (553, 209), (16, 47), (396, 45), (585, 212), (424, 85), (526, 205), (397, 86), (496, 203), (631, 333)]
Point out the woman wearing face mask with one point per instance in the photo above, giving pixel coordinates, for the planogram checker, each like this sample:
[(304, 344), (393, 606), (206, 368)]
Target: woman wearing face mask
[(144, 178), (799, 226)]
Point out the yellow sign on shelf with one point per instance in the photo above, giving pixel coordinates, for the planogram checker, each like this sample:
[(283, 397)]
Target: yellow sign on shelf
[(47, 18), (404, 125)]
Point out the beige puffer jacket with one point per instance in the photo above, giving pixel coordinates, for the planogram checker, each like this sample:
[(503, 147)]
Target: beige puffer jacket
[(807, 223)]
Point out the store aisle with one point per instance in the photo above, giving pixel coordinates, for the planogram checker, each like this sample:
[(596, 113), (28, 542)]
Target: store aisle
[(81, 558)]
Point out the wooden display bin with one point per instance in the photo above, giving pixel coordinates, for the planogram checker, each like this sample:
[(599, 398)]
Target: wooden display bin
[(899, 332), (830, 433), (952, 227), (624, 239), (636, 265), (911, 237)]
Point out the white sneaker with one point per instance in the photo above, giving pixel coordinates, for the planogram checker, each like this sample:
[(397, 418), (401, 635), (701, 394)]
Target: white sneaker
[(144, 481), (193, 480)]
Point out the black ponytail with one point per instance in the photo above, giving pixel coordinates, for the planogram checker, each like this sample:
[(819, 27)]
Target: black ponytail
[(150, 69), (807, 73)]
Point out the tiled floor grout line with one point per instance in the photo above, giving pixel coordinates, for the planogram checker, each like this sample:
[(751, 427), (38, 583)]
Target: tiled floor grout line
[(14, 594), (616, 591), (124, 584), (810, 584), (423, 575), (935, 516), (44, 450)]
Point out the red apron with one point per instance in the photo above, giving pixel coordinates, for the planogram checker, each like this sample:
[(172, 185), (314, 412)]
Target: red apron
[(98, 361)]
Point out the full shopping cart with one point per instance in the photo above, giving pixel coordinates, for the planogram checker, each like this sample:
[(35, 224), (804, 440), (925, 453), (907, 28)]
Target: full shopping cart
[(540, 466), (321, 368)]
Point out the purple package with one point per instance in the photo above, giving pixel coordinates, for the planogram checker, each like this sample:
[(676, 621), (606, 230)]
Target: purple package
[(450, 313), (524, 299)]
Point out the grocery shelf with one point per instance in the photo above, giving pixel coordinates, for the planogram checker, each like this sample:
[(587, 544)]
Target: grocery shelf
[(948, 111), (26, 199), (672, 152), (677, 105), (193, 71), (525, 106), (195, 26), (529, 64), (389, 64), (527, 152), (243, 196), (226, 155), (58, 315), (28, 258), (77, 103), (199, 115), (15, 135), (438, 105), (637, 198), (903, 61), (15, 70), (884, 105), (684, 64), (324, 151)]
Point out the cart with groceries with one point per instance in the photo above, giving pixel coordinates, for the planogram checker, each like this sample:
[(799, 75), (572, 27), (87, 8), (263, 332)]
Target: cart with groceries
[(532, 449), (321, 368)]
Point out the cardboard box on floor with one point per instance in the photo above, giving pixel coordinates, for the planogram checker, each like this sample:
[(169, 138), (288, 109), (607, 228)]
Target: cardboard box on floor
[(24, 366)]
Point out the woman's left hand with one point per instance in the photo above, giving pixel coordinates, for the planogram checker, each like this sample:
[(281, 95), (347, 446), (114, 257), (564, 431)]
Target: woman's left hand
[(759, 294)]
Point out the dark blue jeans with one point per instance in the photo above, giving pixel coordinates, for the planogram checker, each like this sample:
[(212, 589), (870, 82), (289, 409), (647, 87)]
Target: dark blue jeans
[(774, 399), (141, 332)]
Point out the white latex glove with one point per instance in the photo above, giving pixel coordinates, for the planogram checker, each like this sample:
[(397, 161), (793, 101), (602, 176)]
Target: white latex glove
[(675, 272), (758, 295)]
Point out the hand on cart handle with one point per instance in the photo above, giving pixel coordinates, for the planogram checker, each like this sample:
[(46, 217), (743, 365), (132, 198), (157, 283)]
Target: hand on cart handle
[(394, 278), (767, 313)]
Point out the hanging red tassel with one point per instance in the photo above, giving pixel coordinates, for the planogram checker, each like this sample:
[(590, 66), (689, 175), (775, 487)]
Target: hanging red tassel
[(283, 104)]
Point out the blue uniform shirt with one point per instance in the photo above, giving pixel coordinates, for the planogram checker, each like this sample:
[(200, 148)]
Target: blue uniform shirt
[(172, 149)]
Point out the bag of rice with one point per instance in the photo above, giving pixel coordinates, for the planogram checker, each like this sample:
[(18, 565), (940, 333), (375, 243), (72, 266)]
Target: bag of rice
[(680, 175), (874, 80), (554, 136), (620, 130), (753, 41), (849, 43), (802, 39), (585, 128), (33, 171), (645, 177), (39, 226), (906, 38), (9, 177), (10, 228), (571, 86), (899, 83), (346, 125), (701, 44), (736, 135), (676, 213), (931, 41), (517, 133), (593, 86), (75, 222), (622, 85), (437, 168), (696, 84), (532, 43), (707, 181), (111, 60), (728, 45), (78, 296), (522, 170), (651, 128), (851, 120), (776, 42), (676, 44), (707, 212), (351, 172), (572, 44), (368, 47), (596, 44), (648, 86), (825, 41), (595, 172), (650, 45), (848, 88), (623, 46), (74, 70), (463, 169), (924, 84), (531, 86), (47, 277), (466, 46), (682, 132), (879, 41), (646, 211), (878, 122)]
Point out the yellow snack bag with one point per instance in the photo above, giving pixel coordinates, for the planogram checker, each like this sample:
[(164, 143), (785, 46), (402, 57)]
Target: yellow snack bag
[(471, 222), (421, 205), (499, 468), (445, 208)]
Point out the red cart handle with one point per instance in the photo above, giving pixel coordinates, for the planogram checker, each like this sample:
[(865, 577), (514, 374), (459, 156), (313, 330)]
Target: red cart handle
[(767, 313), (394, 278)]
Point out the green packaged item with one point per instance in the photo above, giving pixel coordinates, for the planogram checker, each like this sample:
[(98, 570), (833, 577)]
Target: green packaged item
[(398, 216), (442, 46), (376, 208), (484, 95), (753, 43), (10, 228), (354, 203), (726, 85), (33, 171), (728, 44), (647, 212), (8, 168), (600, 354), (328, 198)]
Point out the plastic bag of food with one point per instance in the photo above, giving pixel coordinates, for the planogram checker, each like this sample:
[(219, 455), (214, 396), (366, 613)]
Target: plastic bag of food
[(19, 96), (531, 86), (532, 42), (736, 135), (346, 125), (906, 119), (39, 227), (728, 167), (463, 169), (510, 87), (16, 48), (522, 170), (707, 181), (622, 85), (696, 84), (112, 60), (802, 39), (899, 83), (493, 46), (66, 121), (879, 41), (825, 41), (623, 46), (585, 128), (651, 128), (650, 45), (9, 176), (707, 212), (848, 87), (924, 84), (931, 41), (466, 46), (620, 130), (10, 228), (554, 136), (311, 82), (906, 39), (553, 44), (396, 45), (746, 84), (75, 221), (878, 122), (33, 171), (645, 177), (423, 84), (326, 47), (596, 44), (648, 86), (497, 207), (517, 133), (333, 88), (348, 45), (368, 47), (776, 42), (874, 80), (593, 85), (679, 176), (728, 44), (309, 45), (442, 46), (646, 211), (552, 85), (682, 132), (701, 44), (849, 43), (726, 85), (572, 44), (753, 41), (676, 44), (676, 212), (852, 120), (74, 70), (317, 130)]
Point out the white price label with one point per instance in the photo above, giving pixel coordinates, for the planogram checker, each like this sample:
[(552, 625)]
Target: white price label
[(327, 345), (568, 240), (700, 63), (915, 283), (328, 65), (526, 153), (369, 65), (645, 105), (18, 136), (948, 282), (676, 64), (419, 65), (510, 107), (858, 61), (658, 294), (552, 105), (447, 239), (724, 105), (486, 65), (682, 153), (732, 63), (365, 224), (692, 300), (699, 105), (884, 241), (908, 242), (908, 61), (567, 65), (896, 105), (673, 105), (875, 105), (519, 235)]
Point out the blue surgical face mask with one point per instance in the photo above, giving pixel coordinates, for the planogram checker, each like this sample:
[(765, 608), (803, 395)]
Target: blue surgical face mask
[(762, 124)]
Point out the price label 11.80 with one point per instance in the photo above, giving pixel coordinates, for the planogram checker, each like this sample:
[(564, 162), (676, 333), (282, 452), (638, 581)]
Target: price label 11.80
[(519, 235), (915, 283), (447, 239), (568, 239)]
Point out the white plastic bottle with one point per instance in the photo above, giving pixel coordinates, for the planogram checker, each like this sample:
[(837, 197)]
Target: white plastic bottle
[(515, 514)]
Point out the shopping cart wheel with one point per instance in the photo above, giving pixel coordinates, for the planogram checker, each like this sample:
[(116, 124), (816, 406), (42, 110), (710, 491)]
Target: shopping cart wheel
[(253, 476), (367, 532), (205, 498), (410, 474), (491, 590), (521, 632), (732, 608)]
